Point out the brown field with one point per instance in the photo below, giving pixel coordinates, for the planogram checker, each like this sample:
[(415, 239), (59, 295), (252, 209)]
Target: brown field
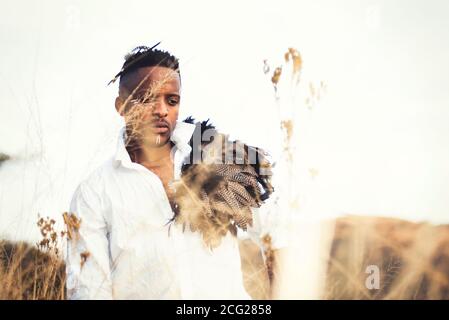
[(413, 259)]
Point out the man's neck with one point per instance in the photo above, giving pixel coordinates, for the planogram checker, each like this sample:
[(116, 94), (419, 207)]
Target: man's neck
[(151, 156), (158, 160)]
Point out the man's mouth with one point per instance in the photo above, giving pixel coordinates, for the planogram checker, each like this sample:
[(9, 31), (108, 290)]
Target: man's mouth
[(160, 127)]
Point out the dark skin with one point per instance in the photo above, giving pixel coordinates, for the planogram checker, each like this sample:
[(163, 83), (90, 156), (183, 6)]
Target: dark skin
[(149, 100)]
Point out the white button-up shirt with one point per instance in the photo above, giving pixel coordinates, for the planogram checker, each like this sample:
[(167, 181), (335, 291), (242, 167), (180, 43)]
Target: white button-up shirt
[(126, 250)]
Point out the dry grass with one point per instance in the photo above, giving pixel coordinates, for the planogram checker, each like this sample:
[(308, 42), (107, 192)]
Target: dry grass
[(33, 272), (28, 273), (255, 273), (413, 260)]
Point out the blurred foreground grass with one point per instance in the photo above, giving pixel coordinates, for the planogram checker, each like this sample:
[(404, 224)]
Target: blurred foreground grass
[(413, 260)]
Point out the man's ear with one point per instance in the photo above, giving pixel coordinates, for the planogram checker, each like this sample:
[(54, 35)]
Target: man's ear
[(119, 106)]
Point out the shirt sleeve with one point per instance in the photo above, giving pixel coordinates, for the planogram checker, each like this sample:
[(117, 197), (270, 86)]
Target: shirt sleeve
[(88, 259)]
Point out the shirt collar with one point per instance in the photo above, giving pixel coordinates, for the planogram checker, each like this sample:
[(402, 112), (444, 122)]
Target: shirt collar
[(180, 136)]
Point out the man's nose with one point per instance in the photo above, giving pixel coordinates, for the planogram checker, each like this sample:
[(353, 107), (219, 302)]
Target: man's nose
[(160, 109)]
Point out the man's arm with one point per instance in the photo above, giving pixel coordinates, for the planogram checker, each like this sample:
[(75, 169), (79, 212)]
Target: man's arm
[(87, 260)]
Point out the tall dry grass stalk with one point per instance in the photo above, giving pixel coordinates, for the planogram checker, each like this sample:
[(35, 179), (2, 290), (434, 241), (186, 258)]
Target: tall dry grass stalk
[(27, 273), (299, 266), (330, 261)]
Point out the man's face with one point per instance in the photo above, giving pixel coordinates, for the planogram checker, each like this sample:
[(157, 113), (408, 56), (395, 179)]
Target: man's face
[(149, 100)]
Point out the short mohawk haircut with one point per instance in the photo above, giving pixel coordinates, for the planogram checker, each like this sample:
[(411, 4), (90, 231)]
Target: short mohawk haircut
[(143, 56)]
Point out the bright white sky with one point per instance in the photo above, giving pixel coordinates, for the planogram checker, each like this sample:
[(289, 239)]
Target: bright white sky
[(378, 139)]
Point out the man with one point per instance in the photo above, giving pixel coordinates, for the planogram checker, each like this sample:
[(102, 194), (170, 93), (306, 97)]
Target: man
[(122, 244)]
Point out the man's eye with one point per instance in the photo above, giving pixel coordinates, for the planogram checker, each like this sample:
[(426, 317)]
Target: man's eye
[(173, 101)]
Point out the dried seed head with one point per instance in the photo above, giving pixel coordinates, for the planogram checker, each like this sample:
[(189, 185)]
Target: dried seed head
[(84, 255), (73, 224)]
